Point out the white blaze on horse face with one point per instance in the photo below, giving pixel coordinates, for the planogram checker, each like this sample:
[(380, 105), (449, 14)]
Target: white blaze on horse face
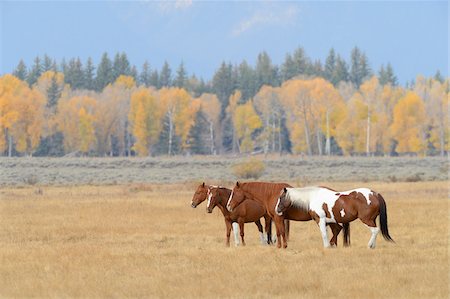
[(209, 199), (229, 201), (342, 212), (276, 208)]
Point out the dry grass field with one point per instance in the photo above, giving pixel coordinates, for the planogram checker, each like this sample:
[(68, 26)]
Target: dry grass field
[(129, 241)]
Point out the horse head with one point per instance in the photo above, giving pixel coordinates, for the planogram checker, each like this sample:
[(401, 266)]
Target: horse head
[(283, 202), (213, 199), (199, 195), (236, 197)]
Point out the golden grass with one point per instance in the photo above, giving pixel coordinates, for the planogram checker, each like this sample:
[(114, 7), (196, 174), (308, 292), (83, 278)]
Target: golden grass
[(146, 241)]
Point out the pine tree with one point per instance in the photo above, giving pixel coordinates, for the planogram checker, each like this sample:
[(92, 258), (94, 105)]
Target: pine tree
[(89, 81), (21, 71), (165, 78), (104, 72), (154, 79), (134, 73), (288, 68), (121, 66), (181, 78), (301, 61), (341, 71), (74, 74), (265, 71), (53, 93), (35, 72), (246, 81), (198, 135), (47, 64), (330, 66), (144, 77), (438, 77), (223, 84), (386, 76)]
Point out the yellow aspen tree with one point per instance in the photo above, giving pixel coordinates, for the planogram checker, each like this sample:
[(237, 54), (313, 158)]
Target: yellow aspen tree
[(296, 97), (211, 106), (11, 88), (234, 100), (112, 115), (176, 106), (145, 120), (245, 122), (76, 120), (349, 135), (268, 105), (408, 124), (371, 92), (439, 116)]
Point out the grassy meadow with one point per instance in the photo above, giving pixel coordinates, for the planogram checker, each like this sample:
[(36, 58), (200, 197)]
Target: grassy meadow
[(144, 240)]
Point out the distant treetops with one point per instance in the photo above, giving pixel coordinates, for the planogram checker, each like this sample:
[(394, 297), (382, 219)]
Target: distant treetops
[(299, 107)]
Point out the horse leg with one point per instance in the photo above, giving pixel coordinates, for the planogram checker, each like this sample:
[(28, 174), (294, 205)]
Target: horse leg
[(260, 229), (268, 228), (374, 230), (323, 230), (287, 226), (335, 228), (236, 233), (241, 228), (228, 227), (279, 222)]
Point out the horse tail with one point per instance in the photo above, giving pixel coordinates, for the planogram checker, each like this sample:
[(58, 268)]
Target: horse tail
[(346, 234), (383, 219)]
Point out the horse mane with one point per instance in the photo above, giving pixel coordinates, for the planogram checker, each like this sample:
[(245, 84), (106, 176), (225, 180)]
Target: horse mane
[(300, 197)]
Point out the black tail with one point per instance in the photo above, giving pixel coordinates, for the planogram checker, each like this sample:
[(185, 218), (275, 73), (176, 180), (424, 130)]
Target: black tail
[(346, 234), (383, 219)]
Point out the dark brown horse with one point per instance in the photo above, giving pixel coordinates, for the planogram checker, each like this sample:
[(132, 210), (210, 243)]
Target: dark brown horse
[(250, 211), (201, 194), (325, 206), (267, 194)]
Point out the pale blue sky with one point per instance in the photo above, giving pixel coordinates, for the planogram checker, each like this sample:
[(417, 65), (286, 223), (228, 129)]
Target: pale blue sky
[(413, 36)]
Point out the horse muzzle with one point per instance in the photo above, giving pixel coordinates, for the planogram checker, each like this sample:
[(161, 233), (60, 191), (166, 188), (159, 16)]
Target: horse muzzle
[(193, 205)]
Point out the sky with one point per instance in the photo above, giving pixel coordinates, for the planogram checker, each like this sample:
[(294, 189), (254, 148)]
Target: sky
[(412, 36)]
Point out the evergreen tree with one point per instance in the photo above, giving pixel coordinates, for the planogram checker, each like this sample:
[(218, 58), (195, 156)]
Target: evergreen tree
[(301, 61), (386, 76), (246, 81), (438, 77), (104, 72), (74, 74), (223, 84), (121, 66), (134, 73), (366, 71), (35, 72), (330, 66), (89, 81), (21, 71), (198, 135), (144, 77), (359, 70), (317, 69), (154, 79), (53, 93), (265, 71), (341, 71), (288, 70), (165, 78), (47, 64), (181, 78), (162, 147)]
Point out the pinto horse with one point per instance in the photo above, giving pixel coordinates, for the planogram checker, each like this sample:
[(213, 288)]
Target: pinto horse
[(250, 211), (328, 206), (201, 194), (267, 194)]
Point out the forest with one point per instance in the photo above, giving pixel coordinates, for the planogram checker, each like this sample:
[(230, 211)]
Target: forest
[(338, 107)]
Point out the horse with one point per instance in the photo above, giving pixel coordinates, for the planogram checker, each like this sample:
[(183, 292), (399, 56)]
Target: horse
[(201, 194), (325, 205), (267, 194), (250, 211)]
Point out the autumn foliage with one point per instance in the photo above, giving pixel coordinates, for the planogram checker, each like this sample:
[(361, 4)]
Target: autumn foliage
[(305, 115)]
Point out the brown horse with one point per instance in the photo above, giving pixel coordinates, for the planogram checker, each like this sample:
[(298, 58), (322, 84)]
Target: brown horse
[(325, 205), (201, 194), (267, 194), (250, 211)]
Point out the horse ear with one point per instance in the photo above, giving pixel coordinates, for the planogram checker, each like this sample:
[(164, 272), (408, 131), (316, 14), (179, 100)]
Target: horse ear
[(203, 184), (237, 184), (285, 189)]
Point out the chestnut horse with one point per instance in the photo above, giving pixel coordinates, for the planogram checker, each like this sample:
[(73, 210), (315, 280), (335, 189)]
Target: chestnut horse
[(250, 211), (201, 194), (267, 194), (328, 206)]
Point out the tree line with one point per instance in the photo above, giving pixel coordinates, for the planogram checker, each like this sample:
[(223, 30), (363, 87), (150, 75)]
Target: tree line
[(301, 106)]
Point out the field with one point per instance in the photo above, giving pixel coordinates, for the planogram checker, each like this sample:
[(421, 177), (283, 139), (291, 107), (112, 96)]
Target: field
[(144, 240), (164, 170)]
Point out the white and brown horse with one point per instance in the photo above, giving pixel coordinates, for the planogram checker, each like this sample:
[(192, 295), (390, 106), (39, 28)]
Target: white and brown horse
[(328, 206)]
